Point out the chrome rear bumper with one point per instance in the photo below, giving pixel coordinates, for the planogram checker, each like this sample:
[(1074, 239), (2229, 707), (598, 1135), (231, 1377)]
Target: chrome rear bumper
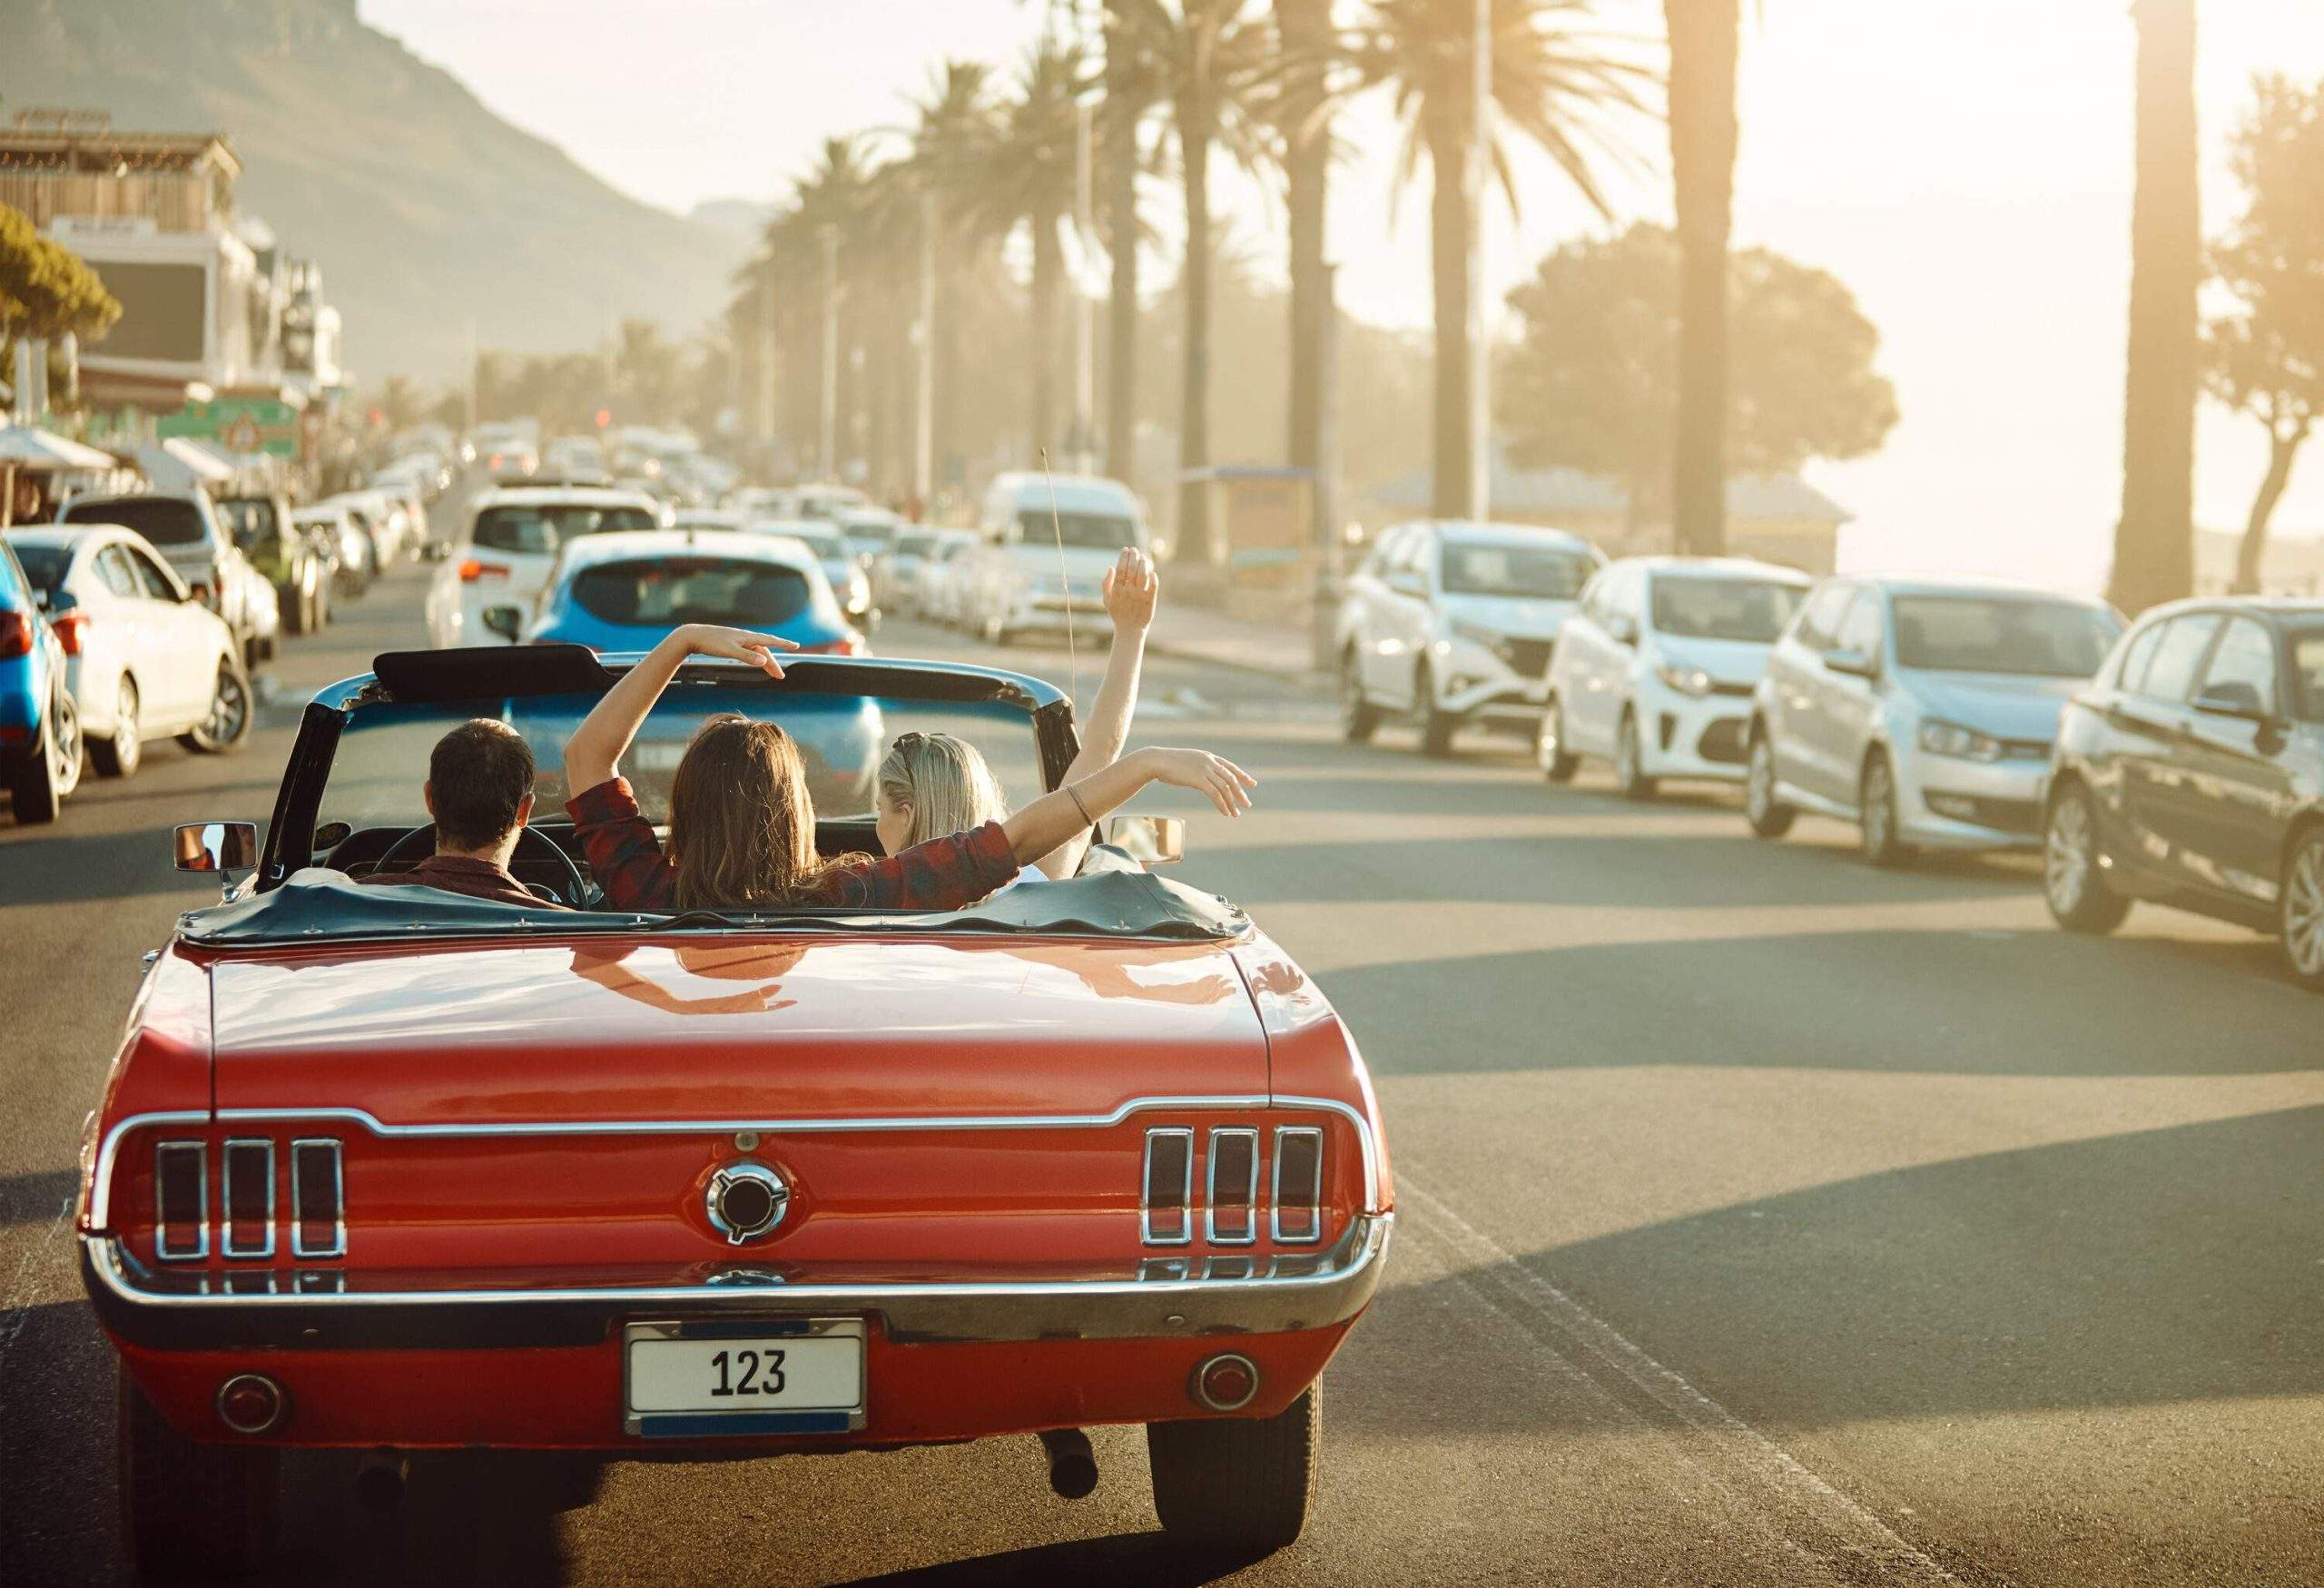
[(312, 1309)]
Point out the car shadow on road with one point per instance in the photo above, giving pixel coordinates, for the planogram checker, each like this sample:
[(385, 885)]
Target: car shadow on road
[(1139, 1560), (37, 1197)]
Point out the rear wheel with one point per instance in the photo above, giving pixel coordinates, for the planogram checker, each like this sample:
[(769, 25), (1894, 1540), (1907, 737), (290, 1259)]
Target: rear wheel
[(1769, 816), (1629, 778), (37, 787), (1359, 719), (1437, 726), (190, 1512), (2074, 885), (2302, 906), (1876, 814), (297, 614), (1556, 763), (1237, 1484), (118, 755), (229, 722)]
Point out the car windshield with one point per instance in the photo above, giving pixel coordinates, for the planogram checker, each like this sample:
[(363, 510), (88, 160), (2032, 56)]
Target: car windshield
[(1535, 572), (45, 565), (2002, 633), (162, 520), (2308, 672), (1693, 607), (662, 592), (382, 758), (1083, 531), (540, 528)]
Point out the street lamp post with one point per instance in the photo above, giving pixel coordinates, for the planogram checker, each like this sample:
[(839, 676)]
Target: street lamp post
[(923, 445)]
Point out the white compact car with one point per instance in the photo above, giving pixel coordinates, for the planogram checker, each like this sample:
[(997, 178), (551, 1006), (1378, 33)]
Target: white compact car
[(939, 592), (1044, 546), (1922, 710), (512, 541), (144, 659), (1656, 670), (1452, 623)]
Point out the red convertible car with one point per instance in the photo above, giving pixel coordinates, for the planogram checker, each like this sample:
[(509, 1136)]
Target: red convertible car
[(388, 1168)]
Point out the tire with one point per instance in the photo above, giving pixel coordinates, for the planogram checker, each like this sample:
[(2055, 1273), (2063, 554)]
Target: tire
[(1876, 810), (230, 710), (119, 755), (1556, 763), (2073, 885), (1436, 728), (2300, 908), (38, 784), (189, 1512), (1359, 719), (295, 614), (1629, 782), (1769, 816), (1237, 1484)]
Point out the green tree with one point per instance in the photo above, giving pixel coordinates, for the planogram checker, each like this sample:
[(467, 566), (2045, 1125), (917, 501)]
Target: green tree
[(1703, 39), (2154, 542), (2265, 356), (1593, 379), (46, 289), (1554, 82)]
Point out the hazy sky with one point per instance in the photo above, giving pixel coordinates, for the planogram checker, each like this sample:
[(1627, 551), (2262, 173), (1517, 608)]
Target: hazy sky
[(1964, 167)]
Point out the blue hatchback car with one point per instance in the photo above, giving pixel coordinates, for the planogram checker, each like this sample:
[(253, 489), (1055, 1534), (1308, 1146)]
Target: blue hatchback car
[(39, 726)]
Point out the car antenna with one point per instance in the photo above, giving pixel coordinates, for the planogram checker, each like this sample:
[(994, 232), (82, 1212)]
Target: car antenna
[(1065, 580)]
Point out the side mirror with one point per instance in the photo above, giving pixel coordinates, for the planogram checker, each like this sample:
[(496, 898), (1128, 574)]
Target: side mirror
[(1148, 840), (1854, 664), (508, 622), (218, 848), (1623, 628), (2232, 697)]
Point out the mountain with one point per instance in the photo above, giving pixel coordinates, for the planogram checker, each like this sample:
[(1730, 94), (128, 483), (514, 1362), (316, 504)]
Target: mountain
[(423, 208)]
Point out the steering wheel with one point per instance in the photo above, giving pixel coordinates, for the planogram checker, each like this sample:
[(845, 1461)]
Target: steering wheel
[(421, 843)]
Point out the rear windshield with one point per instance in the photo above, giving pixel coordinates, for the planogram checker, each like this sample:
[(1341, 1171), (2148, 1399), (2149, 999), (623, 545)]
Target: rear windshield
[(663, 592), (1537, 572), (249, 518), (1752, 610), (540, 530), (1085, 531), (162, 520), (914, 545), (45, 565), (1985, 634)]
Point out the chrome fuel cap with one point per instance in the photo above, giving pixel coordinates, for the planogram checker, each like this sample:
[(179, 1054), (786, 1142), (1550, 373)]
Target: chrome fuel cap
[(746, 1200)]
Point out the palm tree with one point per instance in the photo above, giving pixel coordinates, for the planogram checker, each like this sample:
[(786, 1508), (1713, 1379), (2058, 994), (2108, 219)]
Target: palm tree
[(1304, 37), (952, 138), (1553, 82), (1703, 40), (2154, 543), (1129, 94), (1028, 178), (801, 246)]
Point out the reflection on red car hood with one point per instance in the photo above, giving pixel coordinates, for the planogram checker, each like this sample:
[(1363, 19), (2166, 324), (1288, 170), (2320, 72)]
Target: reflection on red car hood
[(729, 1028)]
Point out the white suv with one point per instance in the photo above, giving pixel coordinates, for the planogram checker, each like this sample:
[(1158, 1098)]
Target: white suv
[(1655, 672), (1922, 710), (512, 542), (1452, 623)]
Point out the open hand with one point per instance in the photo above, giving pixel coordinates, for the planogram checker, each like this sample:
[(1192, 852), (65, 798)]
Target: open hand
[(738, 644), (1205, 773), (1131, 587)]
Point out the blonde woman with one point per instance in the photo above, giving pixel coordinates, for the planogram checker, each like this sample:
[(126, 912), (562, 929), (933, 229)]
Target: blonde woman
[(930, 785)]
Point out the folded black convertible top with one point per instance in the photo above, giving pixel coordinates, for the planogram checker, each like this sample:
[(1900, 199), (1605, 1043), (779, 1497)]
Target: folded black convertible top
[(321, 905)]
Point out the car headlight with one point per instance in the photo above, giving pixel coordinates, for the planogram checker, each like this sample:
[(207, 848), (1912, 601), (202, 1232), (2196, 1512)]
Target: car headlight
[(1691, 681), (1939, 737), (1476, 634)]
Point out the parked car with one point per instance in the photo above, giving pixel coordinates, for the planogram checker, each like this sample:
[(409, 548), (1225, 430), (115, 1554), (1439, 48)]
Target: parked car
[(848, 581), (404, 491), (40, 721), (326, 1199), (371, 519), (183, 526), (512, 540), (395, 534), (870, 532), (333, 527), (1035, 562), (143, 659), (940, 596), (1922, 710), (1655, 671), (2190, 773), (281, 550), (1452, 623), (895, 570)]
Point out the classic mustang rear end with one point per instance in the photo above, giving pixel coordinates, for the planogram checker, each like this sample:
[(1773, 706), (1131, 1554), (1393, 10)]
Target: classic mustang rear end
[(383, 1167)]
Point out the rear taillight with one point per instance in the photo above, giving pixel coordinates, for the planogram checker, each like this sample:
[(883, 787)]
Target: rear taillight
[(1230, 1215), (848, 645), (250, 1198), (182, 1200), (248, 1215), (318, 1201), (472, 570), (70, 629), (1299, 1192), (15, 635), (1166, 1216)]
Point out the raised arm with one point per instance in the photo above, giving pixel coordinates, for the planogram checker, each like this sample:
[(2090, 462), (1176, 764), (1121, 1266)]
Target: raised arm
[(1131, 590), (1053, 818), (593, 753)]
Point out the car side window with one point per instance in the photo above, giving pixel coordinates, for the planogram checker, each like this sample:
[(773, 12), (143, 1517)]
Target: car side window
[(2171, 675), (1819, 621), (1860, 630), (114, 572), (156, 582), (2244, 659), (2137, 656)]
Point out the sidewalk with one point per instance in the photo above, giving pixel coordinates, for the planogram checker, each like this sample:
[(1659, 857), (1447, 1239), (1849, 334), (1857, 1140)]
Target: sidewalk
[(1200, 634)]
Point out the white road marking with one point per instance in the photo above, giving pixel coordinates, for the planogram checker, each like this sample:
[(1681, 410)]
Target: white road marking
[(1779, 1473)]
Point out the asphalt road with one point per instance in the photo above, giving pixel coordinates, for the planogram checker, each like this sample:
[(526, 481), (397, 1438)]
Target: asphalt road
[(1764, 1219)]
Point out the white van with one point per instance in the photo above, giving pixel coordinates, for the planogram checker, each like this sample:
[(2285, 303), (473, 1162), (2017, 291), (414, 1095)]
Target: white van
[(1039, 550)]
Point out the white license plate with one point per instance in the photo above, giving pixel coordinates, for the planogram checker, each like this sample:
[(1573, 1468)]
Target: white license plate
[(685, 1378)]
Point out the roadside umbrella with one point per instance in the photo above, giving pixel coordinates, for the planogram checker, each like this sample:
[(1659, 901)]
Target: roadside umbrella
[(27, 449)]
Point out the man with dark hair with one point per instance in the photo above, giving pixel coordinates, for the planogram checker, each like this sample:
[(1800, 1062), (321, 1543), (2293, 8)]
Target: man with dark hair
[(480, 790)]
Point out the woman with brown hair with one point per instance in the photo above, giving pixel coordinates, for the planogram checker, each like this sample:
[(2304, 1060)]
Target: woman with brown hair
[(743, 824)]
